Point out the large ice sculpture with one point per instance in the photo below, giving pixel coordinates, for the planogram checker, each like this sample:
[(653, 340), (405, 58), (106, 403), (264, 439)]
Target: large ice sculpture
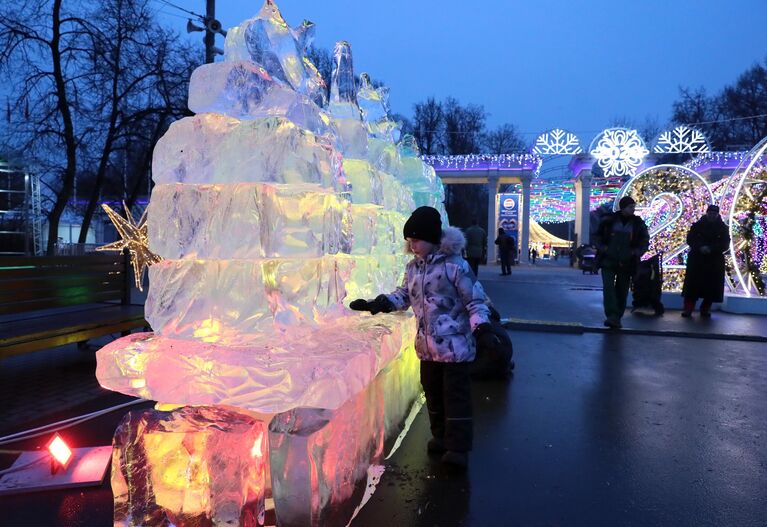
[(190, 466), (269, 211)]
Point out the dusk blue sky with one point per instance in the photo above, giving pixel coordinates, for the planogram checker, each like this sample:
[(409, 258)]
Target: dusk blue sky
[(537, 64)]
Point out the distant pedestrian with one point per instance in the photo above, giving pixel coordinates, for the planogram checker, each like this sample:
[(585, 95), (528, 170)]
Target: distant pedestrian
[(476, 242), (450, 306), (622, 238), (534, 254), (505, 247), (708, 239)]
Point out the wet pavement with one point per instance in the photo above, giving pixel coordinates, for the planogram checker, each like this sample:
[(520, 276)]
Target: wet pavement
[(598, 430), (594, 429)]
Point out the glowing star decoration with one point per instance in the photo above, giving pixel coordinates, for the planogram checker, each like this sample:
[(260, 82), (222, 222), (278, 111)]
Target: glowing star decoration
[(681, 140), (747, 218), (619, 151), (670, 198), (557, 142), (135, 239)]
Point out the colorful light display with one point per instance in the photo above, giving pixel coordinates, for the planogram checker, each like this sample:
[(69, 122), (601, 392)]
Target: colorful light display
[(618, 151), (557, 142), (670, 198), (681, 140), (747, 218)]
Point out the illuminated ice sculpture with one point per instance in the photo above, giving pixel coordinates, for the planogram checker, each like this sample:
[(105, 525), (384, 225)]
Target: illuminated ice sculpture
[(670, 198), (268, 211)]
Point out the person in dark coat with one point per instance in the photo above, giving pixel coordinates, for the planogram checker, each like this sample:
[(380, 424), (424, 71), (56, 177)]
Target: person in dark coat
[(622, 239), (504, 243), (708, 239)]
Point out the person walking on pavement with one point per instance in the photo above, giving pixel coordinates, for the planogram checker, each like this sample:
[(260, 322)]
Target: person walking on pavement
[(476, 238), (451, 311), (708, 239), (622, 238), (504, 243), (534, 254)]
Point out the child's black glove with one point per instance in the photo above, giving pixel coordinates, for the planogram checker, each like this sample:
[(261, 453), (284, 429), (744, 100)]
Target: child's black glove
[(380, 304), (485, 336)]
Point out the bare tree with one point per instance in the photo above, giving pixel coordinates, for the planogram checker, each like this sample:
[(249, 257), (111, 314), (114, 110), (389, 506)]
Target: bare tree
[(101, 81), (464, 127), (428, 125), (41, 45), (133, 56), (503, 140)]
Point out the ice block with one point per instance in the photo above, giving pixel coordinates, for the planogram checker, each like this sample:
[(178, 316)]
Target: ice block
[(189, 467)]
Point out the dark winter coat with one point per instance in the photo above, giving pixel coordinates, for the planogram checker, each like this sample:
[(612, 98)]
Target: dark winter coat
[(448, 301), (621, 245), (704, 277)]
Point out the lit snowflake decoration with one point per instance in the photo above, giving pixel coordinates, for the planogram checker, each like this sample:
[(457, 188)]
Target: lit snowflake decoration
[(619, 151), (681, 140), (557, 142)]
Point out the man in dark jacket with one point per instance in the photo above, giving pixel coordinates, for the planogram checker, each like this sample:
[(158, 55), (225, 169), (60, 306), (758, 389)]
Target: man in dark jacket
[(621, 239), (708, 239), (476, 238)]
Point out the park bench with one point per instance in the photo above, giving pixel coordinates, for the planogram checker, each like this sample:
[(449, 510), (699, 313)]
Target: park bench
[(47, 302)]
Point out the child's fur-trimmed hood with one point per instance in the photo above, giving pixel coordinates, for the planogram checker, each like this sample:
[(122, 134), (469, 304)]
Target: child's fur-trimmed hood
[(453, 241)]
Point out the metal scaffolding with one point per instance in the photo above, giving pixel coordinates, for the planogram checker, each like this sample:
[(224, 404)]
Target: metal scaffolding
[(20, 212)]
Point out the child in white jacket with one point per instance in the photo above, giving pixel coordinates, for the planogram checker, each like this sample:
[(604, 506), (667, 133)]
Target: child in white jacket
[(451, 310)]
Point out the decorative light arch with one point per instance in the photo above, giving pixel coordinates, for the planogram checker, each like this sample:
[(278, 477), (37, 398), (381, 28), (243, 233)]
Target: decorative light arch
[(747, 219), (670, 198), (682, 139), (618, 151), (557, 142)]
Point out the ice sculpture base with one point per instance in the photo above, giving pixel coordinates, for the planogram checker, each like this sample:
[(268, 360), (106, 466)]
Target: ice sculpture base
[(319, 367), (319, 458), (188, 467)]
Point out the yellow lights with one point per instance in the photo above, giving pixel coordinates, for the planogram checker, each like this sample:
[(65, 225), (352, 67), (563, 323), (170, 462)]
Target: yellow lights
[(258, 447), (60, 452), (135, 239), (209, 330)]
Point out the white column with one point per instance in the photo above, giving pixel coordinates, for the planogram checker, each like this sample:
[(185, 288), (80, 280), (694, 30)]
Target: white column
[(582, 205), (492, 209), (524, 227)]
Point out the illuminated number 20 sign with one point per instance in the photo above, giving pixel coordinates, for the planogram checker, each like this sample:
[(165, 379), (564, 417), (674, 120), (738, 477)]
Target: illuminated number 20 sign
[(670, 198)]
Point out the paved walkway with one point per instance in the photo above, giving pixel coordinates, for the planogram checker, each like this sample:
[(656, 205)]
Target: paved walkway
[(594, 428)]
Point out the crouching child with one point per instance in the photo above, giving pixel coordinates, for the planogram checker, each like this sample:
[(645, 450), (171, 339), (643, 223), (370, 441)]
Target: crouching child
[(451, 312)]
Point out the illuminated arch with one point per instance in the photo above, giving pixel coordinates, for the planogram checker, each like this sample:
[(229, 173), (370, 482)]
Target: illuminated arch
[(670, 198), (747, 219)]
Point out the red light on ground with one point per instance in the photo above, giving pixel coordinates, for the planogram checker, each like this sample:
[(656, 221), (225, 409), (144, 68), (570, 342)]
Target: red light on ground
[(60, 451)]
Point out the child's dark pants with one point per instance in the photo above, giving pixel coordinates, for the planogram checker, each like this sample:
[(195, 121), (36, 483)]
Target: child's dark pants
[(448, 398)]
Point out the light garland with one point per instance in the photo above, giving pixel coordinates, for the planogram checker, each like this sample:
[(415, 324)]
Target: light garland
[(711, 160), (618, 151), (557, 142), (134, 237), (529, 162), (681, 140)]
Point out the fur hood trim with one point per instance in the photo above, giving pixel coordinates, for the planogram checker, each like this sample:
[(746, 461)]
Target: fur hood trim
[(453, 241)]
